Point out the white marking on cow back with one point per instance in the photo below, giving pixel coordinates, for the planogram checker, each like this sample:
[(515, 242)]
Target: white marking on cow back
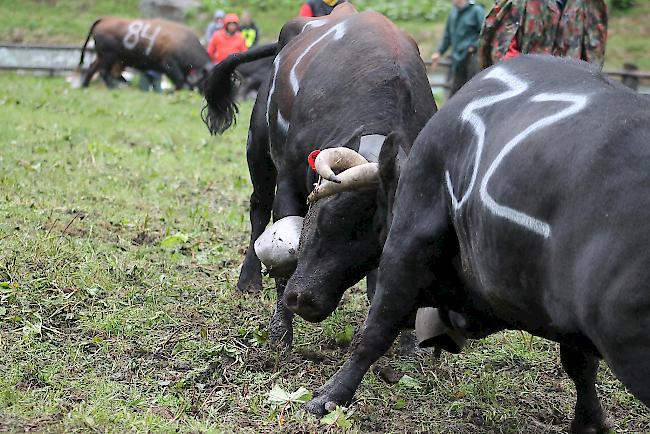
[(517, 87), (140, 30), (469, 115), (283, 124), (338, 31), (276, 68), (578, 102), (313, 24)]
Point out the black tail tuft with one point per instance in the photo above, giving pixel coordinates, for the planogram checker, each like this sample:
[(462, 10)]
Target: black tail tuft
[(220, 90), (83, 49), (220, 109)]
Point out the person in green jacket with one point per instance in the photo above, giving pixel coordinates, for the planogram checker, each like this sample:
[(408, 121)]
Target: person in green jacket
[(462, 35)]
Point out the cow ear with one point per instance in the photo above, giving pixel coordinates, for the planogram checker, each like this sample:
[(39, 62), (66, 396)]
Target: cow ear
[(388, 161), (353, 140)]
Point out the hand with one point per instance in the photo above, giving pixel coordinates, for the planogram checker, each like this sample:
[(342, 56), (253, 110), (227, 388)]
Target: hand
[(435, 58)]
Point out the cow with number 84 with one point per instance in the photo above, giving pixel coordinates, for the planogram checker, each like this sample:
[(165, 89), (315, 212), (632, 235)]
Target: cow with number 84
[(159, 45)]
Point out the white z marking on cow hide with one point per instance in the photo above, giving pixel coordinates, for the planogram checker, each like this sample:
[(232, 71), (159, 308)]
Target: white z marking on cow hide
[(469, 115), (578, 102), (338, 31)]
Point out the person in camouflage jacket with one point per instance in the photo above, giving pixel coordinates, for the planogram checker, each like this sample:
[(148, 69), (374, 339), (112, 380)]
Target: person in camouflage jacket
[(566, 28)]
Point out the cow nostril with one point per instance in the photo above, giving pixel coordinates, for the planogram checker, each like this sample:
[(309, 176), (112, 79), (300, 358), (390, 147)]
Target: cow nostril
[(291, 300)]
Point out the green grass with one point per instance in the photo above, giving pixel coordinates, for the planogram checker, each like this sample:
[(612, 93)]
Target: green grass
[(111, 321)]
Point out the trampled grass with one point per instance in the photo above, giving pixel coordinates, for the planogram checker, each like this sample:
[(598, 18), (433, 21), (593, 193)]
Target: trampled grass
[(122, 228)]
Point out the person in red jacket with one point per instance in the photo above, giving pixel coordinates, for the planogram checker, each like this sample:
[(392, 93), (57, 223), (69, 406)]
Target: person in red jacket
[(226, 41), (318, 8)]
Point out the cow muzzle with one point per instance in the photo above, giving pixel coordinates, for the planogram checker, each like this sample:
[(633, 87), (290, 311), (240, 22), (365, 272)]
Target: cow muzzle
[(302, 303), (431, 331), (311, 295)]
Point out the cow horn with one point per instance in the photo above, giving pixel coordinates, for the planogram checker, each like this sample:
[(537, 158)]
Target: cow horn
[(364, 175), (338, 159)]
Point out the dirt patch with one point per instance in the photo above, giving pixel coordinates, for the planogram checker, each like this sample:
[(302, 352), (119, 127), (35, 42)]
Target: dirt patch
[(144, 238)]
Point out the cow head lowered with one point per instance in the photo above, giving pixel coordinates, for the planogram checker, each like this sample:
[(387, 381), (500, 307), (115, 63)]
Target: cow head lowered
[(344, 230)]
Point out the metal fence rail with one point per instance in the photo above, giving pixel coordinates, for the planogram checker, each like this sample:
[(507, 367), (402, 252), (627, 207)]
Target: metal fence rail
[(59, 59), (47, 58)]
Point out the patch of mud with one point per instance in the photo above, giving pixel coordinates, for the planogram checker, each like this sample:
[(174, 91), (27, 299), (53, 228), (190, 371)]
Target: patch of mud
[(313, 356), (387, 374), (144, 238)]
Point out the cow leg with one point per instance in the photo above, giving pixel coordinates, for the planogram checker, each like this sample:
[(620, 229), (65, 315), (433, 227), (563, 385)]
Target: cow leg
[(371, 284), (263, 176), (415, 257), (281, 324), (582, 368), (88, 76), (407, 340), (106, 71), (389, 313), (376, 337), (287, 203), (175, 74)]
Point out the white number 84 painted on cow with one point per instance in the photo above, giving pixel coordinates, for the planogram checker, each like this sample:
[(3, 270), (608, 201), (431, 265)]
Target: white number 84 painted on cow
[(140, 30), (517, 87)]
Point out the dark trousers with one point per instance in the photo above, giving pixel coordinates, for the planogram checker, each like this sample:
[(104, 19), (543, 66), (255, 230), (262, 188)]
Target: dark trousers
[(463, 72), (150, 80)]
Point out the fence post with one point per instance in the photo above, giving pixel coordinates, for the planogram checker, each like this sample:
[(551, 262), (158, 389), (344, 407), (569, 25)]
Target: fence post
[(630, 81)]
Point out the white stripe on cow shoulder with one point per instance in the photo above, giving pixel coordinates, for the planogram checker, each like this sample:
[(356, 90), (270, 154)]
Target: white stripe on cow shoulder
[(283, 124), (517, 87), (313, 24), (578, 102), (338, 31), (276, 68)]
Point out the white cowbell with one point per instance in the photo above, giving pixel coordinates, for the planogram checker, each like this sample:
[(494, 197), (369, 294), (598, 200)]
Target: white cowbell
[(277, 247)]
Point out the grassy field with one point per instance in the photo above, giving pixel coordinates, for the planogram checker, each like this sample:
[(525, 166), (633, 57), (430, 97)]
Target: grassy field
[(122, 227), (67, 21)]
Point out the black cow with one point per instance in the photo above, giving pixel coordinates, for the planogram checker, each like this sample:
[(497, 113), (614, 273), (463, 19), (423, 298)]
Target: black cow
[(339, 83), (525, 204), (157, 44), (253, 75)]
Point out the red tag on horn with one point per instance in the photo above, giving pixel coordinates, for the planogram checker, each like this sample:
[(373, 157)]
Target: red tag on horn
[(312, 159)]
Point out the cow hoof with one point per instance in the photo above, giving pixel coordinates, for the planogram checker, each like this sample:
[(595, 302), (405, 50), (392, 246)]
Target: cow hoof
[(328, 398), (280, 335), (319, 406), (586, 427), (249, 286)]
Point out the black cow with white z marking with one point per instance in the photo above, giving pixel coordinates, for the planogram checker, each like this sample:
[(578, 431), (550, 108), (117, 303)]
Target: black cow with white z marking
[(525, 204), (353, 86)]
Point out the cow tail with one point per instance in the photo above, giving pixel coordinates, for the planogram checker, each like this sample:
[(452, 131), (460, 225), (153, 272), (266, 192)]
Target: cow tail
[(220, 109), (83, 49)]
